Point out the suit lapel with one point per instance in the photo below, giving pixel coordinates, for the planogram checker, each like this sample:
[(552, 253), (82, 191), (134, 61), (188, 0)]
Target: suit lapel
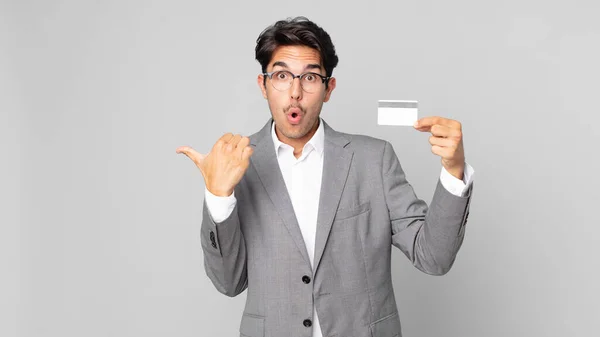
[(265, 162), (336, 164)]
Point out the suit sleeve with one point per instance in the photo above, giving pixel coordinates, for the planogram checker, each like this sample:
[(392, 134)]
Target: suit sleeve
[(224, 250), (429, 236)]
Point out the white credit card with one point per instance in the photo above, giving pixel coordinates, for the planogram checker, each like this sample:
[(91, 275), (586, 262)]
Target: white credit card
[(395, 112)]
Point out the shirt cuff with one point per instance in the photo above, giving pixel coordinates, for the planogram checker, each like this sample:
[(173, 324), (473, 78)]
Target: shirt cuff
[(220, 208), (456, 186)]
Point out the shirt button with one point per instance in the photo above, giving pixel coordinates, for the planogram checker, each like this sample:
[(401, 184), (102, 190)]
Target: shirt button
[(306, 279), (307, 323)]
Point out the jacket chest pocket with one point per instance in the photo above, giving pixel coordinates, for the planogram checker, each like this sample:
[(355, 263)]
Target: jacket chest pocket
[(350, 212)]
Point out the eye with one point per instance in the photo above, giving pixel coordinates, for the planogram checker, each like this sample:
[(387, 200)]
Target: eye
[(310, 77), (281, 75)]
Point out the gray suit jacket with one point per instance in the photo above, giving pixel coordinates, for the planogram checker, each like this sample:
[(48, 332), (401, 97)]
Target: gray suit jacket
[(366, 206)]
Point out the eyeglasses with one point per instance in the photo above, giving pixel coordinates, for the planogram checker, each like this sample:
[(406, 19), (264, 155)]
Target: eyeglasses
[(310, 82)]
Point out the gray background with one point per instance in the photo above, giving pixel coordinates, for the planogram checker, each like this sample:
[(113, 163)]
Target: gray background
[(100, 217)]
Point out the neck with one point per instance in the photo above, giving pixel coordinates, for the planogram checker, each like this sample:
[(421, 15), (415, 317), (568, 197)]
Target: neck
[(297, 143)]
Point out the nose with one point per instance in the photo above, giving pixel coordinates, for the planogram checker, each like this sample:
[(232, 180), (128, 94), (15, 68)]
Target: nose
[(296, 89)]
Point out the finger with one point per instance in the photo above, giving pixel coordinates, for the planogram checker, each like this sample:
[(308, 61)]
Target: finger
[(235, 140), (423, 125), (223, 141), (443, 152), (243, 143), (230, 146), (427, 121), (443, 142), (194, 155), (444, 131), (433, 120), (226, 137), (184, 149), (431, 128), (247, 152)]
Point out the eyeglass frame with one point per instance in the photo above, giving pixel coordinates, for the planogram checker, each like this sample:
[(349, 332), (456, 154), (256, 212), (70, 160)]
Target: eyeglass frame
[(324, 79)]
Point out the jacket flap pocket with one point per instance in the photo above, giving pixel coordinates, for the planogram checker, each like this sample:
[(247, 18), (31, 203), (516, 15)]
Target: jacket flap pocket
[(388, 326), (349, 212), (252, 325)]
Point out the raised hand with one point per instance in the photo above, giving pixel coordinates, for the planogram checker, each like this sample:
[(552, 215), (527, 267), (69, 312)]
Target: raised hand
[(446, 141), (224, 166)]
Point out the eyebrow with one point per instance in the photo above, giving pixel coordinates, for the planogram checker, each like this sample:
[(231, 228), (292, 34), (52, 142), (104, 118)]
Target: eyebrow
[(307, 67)]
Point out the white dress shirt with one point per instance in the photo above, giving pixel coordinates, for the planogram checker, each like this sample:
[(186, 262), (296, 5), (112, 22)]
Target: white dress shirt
[(302, 178)]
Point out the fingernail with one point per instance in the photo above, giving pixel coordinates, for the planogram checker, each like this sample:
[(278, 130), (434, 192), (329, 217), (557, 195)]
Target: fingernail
[(416, 124)]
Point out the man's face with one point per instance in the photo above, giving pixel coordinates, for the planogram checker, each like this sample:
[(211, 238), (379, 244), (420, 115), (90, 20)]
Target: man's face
[(295, 111)]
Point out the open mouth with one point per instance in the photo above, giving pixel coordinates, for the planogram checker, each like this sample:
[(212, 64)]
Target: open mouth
[(294, 118)]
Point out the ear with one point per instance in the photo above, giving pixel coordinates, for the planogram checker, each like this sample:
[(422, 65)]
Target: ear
[(330, 87), (261, 85)]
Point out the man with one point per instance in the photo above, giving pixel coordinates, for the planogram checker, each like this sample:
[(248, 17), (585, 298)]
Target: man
[(304, 216)]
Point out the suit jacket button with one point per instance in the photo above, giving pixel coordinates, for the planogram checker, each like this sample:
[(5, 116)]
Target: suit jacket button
[(213, 242), (307, 323), (306, 279)]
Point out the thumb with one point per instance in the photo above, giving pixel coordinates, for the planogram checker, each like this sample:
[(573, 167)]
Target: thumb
[(195, 156)]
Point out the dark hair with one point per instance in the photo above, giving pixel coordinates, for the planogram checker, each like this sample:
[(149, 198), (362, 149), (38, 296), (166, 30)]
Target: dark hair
[(298, 31)]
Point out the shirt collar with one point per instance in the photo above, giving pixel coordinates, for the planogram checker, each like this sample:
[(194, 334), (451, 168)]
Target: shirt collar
[(317, 141)]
